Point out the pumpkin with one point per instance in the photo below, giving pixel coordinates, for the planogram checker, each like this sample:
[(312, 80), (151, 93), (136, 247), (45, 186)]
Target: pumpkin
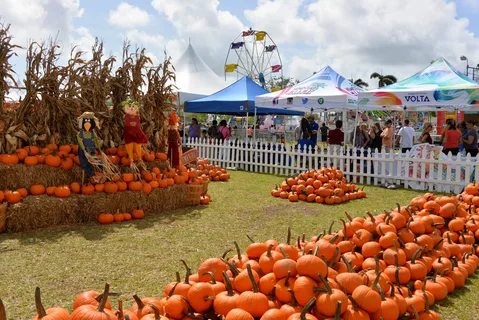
[(367, 298), (137, 214), (326, 302), (201, 296), (23, 192), (142, 307), (254, 302), (13, 197), (111, 187), (90, 312), (135, 186), (53, 160), (62, 191), (51, 190), (10, 159), (37, 189), (51, 313), (118, 217), (31, 160), (161, 156), (239, 314), (225, 301), (304, 315), (105, 218)]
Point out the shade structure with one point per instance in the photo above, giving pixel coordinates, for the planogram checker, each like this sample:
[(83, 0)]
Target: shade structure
[(324, 90), (236, 99), (438, 86), (194, 78)]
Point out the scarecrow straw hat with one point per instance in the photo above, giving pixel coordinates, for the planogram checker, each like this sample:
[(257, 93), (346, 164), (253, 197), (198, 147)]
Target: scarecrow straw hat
[(88, 115)]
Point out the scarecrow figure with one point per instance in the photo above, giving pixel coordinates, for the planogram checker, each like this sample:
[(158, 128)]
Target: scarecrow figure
[(134, 137), (88, 143), (174, 140)]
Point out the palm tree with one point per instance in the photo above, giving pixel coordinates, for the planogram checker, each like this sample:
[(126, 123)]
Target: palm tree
[(384, 80), (360, 83)]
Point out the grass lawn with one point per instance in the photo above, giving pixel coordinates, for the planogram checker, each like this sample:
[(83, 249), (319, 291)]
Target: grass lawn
[(142, 256)]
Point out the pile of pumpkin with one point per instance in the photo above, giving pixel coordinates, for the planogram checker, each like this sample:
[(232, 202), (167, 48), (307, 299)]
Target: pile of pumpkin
[(66, 155), (211, 171), (326, 185), (148, 181), (107, 218), (392, 265)]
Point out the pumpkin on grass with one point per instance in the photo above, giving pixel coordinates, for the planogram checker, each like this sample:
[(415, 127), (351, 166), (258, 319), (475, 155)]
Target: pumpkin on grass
[(144, 306), (137, 214), (254, 302), (124, 314), (55, 313), (90, 312)]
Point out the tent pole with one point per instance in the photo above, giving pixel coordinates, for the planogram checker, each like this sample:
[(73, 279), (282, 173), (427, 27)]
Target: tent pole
[(355, 126), (247, 124), (184, 125), (254, 125)]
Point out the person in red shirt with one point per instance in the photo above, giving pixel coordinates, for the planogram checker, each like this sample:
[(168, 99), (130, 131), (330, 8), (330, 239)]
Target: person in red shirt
[(336, 136), (133, 135), (452, 140)]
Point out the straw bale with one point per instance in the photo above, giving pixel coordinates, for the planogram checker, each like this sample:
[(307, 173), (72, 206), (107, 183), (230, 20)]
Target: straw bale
[(37, 212), (22, 176)]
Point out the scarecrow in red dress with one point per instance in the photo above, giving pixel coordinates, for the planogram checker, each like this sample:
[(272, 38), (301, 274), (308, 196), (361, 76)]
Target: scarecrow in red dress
[(174, 140), (134, 137)]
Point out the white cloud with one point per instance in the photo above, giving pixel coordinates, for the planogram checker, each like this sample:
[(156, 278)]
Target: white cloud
[(360, 37), (128, 17), (211, 30), (473, 4)]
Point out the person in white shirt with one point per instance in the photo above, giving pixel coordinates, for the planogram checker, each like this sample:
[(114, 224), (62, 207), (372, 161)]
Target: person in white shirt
[(406, 136)]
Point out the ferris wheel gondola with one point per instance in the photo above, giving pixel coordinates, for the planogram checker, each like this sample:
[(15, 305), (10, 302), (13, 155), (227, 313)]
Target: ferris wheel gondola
[(254, 54)]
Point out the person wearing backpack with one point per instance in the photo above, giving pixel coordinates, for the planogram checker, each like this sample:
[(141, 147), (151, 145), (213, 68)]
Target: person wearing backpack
[(223, 130)]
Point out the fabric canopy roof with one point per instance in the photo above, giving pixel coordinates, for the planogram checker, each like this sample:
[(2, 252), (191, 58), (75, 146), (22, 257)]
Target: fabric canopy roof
[(439, 86), (324, 90), (194, 79), (236, 99)]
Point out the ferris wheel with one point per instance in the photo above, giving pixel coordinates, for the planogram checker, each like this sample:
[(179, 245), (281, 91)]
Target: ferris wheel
[(254, 54)]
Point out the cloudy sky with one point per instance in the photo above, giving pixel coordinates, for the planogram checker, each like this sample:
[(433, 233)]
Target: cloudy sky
[(356, 38)]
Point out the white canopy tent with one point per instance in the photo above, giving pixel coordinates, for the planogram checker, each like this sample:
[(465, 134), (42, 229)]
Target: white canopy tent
[(194, 78), (325, 90), (437, 87)]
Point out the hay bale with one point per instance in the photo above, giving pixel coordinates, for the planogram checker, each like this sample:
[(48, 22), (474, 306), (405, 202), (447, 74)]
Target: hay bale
[(38, 212), (22, 176)]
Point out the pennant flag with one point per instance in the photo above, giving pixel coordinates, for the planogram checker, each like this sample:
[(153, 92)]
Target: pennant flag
[(276, 68), (260, 35), (230, 67), (270, 48), (236, 45), (250, 32)]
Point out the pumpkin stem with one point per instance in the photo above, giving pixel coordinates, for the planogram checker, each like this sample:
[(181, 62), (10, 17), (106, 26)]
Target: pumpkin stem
[(104, 299), (346, 262), (213, 279), (415, 255), (288, 240), (251, 277), (381, 292), (228, 285), (396, 275), (172, 290), (426, 308), (334, 238), (286, 281), (348, 216), (156, 311), (330, 230), (285, 255), (392, 288), (268, 253), (401, 242), (306, 308), (238, 251), (337, 315), (303, 238), (316, 251), (436, 246), (375, 282), (299, 242), (416, 315), (138, 301), (325, 283), (340, 284), (376, 261), (333, 260), (119, 313), (396, 261), (226, 252), (38, 304), (370, 216), (293, 299), (188, 272), (250, 239), (380, 230)]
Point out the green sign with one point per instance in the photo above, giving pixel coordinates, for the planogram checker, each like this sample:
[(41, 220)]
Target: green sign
[(320, 100)]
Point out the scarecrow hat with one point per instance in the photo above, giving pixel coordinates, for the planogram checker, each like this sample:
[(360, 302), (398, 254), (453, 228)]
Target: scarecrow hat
[(88, 115)]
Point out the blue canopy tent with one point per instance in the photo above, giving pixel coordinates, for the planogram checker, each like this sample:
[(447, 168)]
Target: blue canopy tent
[(236, 99)]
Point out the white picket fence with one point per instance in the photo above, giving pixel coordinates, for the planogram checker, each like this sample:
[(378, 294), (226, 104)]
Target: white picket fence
[(360, 166)]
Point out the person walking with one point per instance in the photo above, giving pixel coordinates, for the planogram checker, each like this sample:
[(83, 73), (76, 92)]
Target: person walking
[(362, 137), (387, 136), (324, 132), (376, 139), (314, 129), (336, 136), (194, 130), (426, 133), (470, 140), (405, 137), (452, 140)]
